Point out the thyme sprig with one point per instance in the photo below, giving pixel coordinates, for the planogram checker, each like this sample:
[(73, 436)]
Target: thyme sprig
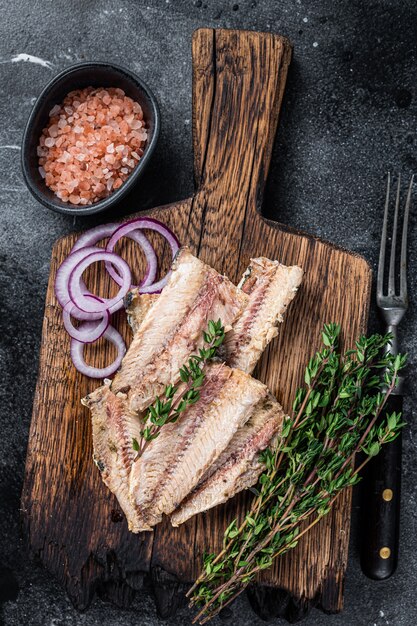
[(176, 398), (335, 415)]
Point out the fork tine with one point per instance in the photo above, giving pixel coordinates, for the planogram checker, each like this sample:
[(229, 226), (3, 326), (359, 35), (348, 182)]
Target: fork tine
[(381, 264), (403, 268), (391, 275)]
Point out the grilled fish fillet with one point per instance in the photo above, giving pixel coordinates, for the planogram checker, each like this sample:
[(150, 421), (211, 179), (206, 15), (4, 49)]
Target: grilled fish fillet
[(238, 467), (270, 286), (172, 329), (173, 463), (114, 428)]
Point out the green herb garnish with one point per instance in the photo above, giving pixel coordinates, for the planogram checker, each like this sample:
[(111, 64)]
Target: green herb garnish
[(336, 415)]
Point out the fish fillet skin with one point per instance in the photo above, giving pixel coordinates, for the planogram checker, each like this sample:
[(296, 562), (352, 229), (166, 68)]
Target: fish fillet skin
[(137, 306), (172, 329), (173, 463), (270, 286), (239, 465), (114, 428)]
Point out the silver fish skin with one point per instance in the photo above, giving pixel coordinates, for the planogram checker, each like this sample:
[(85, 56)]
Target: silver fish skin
[(174, 462), (172, 329), (137, 306)]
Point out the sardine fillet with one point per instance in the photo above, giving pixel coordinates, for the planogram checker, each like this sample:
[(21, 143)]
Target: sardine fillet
[(239, 465), (114, 428), (172, 329), (271, 286), (174, 462)]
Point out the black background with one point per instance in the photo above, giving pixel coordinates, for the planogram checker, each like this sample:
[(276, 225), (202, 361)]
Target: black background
[(349, 116)]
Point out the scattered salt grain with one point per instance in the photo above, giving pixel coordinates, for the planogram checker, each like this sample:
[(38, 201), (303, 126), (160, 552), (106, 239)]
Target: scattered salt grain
[(92, 143)]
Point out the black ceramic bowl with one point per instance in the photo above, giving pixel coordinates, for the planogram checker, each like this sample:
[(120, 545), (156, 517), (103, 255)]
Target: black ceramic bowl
[(77, 77)]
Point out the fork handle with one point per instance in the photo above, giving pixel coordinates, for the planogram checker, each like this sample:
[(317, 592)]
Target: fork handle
[(381, 506)]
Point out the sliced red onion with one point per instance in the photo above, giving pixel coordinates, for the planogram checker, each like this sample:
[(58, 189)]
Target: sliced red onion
[(147, 223), (62, 280), (94, 235), (76, 287), (84, 333), (76, 301), (77, 353)]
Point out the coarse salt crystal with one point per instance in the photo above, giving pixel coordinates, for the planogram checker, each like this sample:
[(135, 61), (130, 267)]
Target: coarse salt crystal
[(55, 110), (53, 130), (91, 128)]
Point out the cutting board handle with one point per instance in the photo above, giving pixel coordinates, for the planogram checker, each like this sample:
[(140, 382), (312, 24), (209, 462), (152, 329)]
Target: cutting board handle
[(238, 84)]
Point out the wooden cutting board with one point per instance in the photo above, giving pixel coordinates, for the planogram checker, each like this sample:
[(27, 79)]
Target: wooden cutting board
[(72, 522)]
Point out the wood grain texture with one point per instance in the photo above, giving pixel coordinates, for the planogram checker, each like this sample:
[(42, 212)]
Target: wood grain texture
[(71, 520)]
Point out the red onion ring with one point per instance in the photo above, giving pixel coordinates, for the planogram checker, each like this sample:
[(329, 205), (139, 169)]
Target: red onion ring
[(82, 333), (76, 290), (147, 223), (77, 353), (76, 301), (94, 235), (62, 280)]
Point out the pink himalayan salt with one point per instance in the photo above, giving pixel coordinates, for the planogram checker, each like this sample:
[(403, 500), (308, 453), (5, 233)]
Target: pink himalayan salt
[(92, 143)]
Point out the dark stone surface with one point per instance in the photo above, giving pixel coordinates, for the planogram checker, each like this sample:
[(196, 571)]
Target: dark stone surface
[(349, 116)]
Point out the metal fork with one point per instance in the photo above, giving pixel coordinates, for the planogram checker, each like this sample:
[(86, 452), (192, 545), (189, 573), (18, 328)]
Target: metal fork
[(382, 481), (394, 304)]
